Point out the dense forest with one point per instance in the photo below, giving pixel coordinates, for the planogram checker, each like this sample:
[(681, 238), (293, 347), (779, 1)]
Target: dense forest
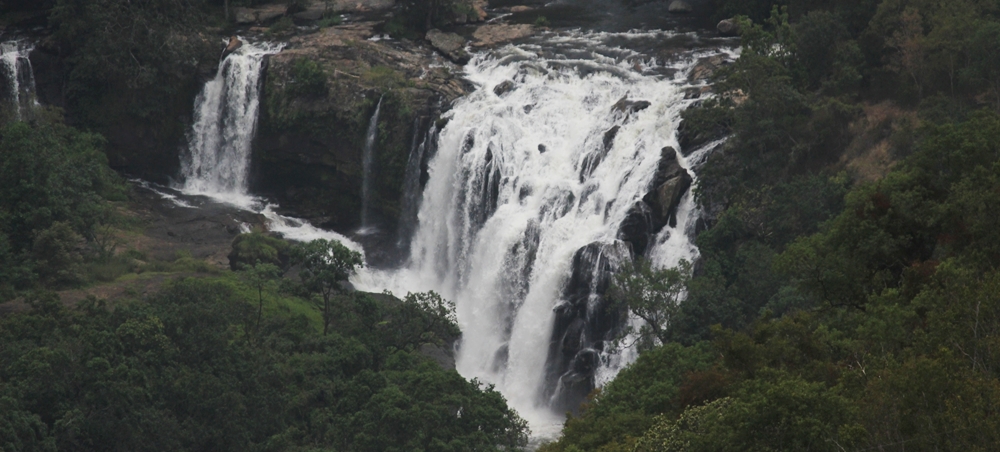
[(214, 360), (847, 295)]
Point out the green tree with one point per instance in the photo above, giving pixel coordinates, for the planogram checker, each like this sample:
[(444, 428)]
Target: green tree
[(652, 295), (325, 265), (260, 277)]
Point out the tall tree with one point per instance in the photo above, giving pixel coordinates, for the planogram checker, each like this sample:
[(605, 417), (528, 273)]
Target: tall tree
[(325, 264)]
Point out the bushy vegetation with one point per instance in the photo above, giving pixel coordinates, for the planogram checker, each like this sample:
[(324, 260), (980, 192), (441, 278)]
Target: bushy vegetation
[(243, 360), (194, 368), (835, 307), (54, 203)]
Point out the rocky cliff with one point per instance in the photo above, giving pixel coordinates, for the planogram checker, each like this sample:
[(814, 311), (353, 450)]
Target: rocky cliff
[(319, 96)]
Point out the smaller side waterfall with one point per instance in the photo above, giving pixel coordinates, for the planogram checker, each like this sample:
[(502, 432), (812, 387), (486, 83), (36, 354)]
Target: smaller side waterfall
[(368, 160), (217, 161), (17, 77)]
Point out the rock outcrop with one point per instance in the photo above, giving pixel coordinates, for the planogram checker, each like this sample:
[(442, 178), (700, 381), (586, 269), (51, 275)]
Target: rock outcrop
[(584, 322), (308, 151), (669, 185), (260, 14), (707, 67), (679, 7), (451, 45), (630, 107), (490, 35), (728, 27)]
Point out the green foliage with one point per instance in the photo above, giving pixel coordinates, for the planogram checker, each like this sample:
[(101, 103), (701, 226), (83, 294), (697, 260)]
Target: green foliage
[(139, 66), (384, 78), (652, 295), (54, 203), (308, 79), (283, 25), (174, 373), (325, 265), (776, 413), (256, 246)]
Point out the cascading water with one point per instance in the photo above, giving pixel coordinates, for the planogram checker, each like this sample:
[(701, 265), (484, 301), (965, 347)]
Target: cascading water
[(18, 77), (523, 219), (217, 161), (367, 161), (410, 202)]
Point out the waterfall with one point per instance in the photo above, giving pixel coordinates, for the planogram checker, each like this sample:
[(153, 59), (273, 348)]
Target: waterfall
[(367, 160), (217, 160), (410, 202), (18, 76), (523, 219)]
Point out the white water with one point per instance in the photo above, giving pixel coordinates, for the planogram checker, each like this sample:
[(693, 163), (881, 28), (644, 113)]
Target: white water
[(225, 120), (18, 75), (217, 161), (367, 161), (506, 269)]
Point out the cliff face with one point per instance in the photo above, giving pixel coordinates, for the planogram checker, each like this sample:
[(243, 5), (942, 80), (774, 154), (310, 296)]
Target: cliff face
[(318, 99)]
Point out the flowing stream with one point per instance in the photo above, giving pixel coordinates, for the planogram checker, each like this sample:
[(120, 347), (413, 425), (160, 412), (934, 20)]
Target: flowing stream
[(533, 177), (17, 76)]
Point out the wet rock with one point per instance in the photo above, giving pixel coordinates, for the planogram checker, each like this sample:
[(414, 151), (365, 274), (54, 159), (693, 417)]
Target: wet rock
[(696, 92), (669, 185), (259, 14), (583, 322), (679, 7), (311, 13), (706, 68), (520, 9), (503, 88), (590, 161), (728, 27), (637, 228), (493, 34), (451, 45), (234, 44), (626, 106), (479, 6)]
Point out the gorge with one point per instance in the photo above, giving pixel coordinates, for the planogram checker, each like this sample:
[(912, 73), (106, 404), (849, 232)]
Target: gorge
[(554, 172), (499, 225)]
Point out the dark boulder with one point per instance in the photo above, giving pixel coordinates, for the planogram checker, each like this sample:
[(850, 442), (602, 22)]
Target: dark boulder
[(637, 228), (728, 27), (451, 45), (591, 160), (669, 185), (584, 321), (503, 88), (626, 107)]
